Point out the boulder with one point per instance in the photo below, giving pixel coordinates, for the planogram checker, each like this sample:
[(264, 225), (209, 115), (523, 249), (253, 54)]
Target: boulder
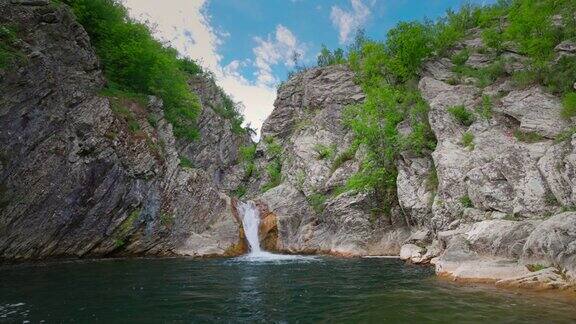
[(411, 252), (553, 242)]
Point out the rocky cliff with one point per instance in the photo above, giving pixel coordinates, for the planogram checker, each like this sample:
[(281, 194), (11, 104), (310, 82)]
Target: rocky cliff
[(316, 159), (88, 174), (494, 201)]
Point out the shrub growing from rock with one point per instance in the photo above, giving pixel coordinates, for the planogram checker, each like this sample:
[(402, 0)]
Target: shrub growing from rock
[(569, 105), (462, 115)]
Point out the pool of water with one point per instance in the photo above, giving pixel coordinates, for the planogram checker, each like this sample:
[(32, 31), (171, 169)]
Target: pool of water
[(307, 289)]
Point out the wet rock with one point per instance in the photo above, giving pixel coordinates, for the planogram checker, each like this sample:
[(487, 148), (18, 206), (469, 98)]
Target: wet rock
[(411, 252), (549, 278)]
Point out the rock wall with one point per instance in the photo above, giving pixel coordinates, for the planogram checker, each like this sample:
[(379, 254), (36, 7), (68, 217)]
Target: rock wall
[(77, 177), (313, 214), (503, 206), (217, 150)]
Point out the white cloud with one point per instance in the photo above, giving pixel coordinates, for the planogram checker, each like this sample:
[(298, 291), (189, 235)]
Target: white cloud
[(186, 26), (348, 21), (275, 50)]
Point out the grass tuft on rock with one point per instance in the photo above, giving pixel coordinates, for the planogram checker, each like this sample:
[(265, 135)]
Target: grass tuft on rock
[(464, 116), (569, 105)]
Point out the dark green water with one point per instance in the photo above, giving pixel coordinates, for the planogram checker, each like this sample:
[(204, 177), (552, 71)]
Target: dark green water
[(323, 289)]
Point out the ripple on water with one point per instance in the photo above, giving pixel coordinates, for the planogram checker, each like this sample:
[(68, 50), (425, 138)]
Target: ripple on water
[(252, 288), (267, 257)]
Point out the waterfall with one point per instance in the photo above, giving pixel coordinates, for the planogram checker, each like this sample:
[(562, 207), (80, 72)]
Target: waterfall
[(251, 221)]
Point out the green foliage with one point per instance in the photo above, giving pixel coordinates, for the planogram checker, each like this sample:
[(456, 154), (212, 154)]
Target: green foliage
[(485, 109), (273, 149), (274, 172), (239, 192), (134, 61), (274, 167), (559, 77), (550, 199), (536, 267), (387, 70), (569, 105), (185, 162), (484, 76), (488, 75), (126, 227), (326, 57), (461, 57), (231, 111), (250, 170), (512, 217), (189, 66), (317, 201), (568, 209), (565, 135), (152, 121), (530, 26), (462, 115), (408, 44), (432, 180), (467, 140), (527, 137), (133, 125), (493, 38), (524, 78), (466, 202), (247, 156), (324, 151), (248, 153), (8, 53), (346, 155)]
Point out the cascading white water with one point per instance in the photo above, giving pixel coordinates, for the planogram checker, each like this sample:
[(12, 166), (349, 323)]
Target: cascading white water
[(251, 222)]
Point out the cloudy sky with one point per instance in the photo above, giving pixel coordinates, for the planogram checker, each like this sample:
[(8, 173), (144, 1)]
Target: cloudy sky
[(248, 44)]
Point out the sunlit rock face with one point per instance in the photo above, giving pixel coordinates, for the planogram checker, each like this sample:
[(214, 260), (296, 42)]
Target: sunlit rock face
[(486, 210), (76, 178), (497, 209), (314, 213)]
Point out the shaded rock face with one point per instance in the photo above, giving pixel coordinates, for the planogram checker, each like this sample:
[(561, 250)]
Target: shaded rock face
[(75, 180), (217, 150)]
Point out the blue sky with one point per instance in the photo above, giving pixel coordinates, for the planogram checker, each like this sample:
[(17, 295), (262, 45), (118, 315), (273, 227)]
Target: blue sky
[(247, 44)]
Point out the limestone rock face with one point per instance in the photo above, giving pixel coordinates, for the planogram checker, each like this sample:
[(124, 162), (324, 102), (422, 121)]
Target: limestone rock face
[(536, 111), (75, 179), (313, 214), (492, 195)]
